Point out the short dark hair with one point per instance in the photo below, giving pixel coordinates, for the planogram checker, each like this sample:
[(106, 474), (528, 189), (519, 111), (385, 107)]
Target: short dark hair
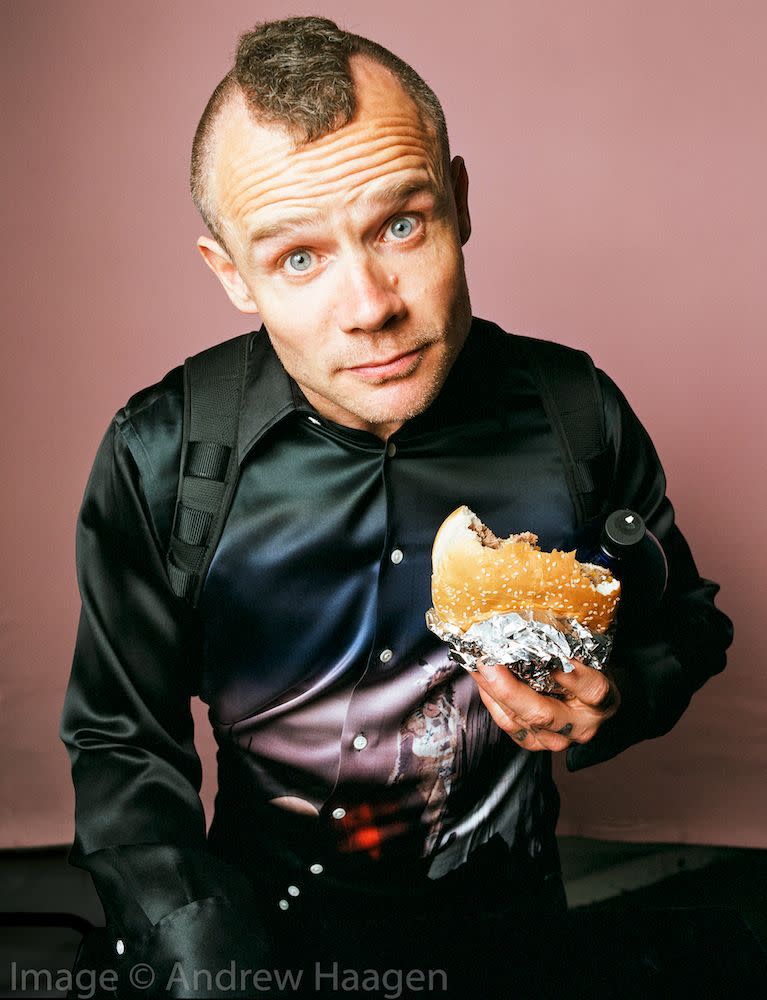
[(295, 73)]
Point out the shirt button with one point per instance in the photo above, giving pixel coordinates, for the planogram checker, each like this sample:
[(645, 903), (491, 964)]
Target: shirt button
[(391, 450), (397, 556), (316, 869), (283, 904), (314, 420), (120, 946), (385, 655), (338, 813), (360, 742), (293, 890)]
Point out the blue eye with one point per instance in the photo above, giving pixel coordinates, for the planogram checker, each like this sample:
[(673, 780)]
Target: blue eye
[(402, 227), (301, 260)]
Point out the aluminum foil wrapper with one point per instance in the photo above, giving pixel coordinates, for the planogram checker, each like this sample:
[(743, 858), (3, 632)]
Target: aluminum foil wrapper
[(530, 648)]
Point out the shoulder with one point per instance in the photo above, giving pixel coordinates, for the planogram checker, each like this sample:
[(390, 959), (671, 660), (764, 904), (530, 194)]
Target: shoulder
[(157, 410), (572, 378), (522, 350), (150, 425), (153, 400), (151, 422), (563, 376), (526, 350)]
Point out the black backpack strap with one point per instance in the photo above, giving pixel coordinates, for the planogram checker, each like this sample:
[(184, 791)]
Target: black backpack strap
[(213, 387), (567, 381)]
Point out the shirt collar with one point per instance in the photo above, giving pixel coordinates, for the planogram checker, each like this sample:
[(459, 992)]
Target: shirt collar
[(270, 394), (267, 396)]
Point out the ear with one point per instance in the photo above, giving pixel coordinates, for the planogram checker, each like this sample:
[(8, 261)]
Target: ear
[(459, 181), (221, 264)]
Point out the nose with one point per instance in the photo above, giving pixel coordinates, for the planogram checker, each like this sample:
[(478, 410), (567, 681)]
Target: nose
[(368, 296)]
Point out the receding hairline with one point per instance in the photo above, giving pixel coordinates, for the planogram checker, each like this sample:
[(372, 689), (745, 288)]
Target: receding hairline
[(230, 94)]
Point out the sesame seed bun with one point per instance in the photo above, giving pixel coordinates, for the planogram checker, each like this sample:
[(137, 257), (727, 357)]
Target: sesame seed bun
[(476, 575)]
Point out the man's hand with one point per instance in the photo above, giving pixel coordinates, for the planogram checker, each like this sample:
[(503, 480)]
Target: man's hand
[(540, 722)]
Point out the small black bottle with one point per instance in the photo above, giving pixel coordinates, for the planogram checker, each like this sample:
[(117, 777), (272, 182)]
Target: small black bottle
[(622, 532), (636, 558)]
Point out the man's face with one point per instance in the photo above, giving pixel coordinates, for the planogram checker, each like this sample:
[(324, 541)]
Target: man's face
[(350, 250)]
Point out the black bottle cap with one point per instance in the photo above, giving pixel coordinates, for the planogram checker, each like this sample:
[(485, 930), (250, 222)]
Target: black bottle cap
[(623, 530)]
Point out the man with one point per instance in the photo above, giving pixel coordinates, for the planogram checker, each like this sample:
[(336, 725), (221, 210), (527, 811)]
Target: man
[(365, 779)]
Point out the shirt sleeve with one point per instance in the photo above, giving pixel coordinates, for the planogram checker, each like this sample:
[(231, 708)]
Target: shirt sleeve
[(660, 665), (128, 729)]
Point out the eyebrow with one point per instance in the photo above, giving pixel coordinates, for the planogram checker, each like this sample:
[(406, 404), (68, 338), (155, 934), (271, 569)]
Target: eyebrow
[(287, 224), (398, 192), (392, 194)]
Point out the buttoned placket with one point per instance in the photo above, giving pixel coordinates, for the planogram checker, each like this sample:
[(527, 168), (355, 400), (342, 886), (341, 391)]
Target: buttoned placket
[(294, 891), (354, 745), (361, 734)]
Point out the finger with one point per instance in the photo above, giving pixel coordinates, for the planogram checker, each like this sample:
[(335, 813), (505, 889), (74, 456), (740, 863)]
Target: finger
[(518, 698), (516, 728), (529, 732), (506, 720), (587, 684), (551, 741), (542, 739), (524, 734)]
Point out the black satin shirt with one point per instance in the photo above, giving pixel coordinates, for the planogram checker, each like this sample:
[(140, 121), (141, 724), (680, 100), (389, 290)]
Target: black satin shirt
[(353, 751)]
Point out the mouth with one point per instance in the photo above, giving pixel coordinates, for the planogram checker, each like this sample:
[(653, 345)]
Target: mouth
[(389, 367)]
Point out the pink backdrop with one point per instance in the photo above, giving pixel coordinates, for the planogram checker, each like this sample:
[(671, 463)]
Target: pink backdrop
[(617, 158)]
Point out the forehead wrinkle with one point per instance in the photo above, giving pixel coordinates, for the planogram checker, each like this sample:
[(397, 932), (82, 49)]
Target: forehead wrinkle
[(355, 132), (390, 190), (303, 161), (261, 164), (394, 192), (381, 150), (393, 189), (256, 196), (331, 190), (303, 216), (386, 145)]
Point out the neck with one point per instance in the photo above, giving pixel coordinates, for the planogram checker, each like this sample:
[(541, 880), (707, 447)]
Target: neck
[(340, 416)]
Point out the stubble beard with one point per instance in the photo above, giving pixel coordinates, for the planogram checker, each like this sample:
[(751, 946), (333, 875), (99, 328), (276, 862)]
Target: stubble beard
[(381, 412)]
